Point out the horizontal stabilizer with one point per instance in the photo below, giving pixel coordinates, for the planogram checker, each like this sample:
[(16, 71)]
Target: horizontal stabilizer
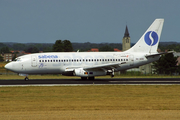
[(152, 55)]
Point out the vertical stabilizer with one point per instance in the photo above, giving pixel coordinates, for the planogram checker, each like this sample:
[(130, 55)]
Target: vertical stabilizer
[(149, 41)]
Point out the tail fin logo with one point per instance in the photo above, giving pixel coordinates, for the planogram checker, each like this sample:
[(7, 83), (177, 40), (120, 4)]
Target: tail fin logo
[(151, 38)]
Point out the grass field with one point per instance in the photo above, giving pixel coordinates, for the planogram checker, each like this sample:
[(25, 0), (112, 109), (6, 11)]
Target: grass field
[(111, 102), (90, 102)]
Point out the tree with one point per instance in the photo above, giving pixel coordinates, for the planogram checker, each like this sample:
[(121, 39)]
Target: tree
[(106, 48), (1, 59), (62, 46), (35, 50), (166, 64), (32, 50), (67, 46), (14, 57), (19, 46), (58, 46), (5, 50), (47, 49), (2, 45)]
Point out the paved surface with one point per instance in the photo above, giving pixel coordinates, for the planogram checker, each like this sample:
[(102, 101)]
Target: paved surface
[(89, 82)]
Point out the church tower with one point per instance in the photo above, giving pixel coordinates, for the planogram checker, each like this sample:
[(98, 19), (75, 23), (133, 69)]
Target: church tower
[(126, 42)]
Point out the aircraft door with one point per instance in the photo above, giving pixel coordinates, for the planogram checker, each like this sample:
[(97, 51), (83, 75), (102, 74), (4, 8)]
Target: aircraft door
[(33, 61), (131, 59)]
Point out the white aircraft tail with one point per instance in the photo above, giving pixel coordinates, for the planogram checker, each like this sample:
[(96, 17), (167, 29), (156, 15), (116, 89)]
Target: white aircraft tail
[(149, 41)]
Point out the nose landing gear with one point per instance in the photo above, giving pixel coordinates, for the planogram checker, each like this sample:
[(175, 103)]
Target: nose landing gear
[(112, 74), (26, 78)]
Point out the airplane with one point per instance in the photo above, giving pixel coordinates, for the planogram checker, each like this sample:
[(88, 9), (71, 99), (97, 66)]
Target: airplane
[(87, 65)]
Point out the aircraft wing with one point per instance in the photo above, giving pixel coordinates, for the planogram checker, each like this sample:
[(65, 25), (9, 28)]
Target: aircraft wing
[(105, 66), (102, 67)]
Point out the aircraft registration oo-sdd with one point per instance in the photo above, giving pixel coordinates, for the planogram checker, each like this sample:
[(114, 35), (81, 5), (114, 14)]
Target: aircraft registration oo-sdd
[(87, 65)]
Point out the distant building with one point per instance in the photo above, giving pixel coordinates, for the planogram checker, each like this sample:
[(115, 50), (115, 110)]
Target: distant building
[(20, 53), (117, 50), (94, 50), (7, 56), (126, 42)]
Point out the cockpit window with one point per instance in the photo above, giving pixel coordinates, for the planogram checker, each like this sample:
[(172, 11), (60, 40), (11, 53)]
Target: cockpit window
[(17, 59)]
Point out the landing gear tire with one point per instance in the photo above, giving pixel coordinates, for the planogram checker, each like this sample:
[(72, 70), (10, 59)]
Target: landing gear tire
[(26, 78), (112, 74)]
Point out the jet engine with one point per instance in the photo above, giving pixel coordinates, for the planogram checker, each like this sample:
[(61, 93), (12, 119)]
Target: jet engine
[(88, 73)]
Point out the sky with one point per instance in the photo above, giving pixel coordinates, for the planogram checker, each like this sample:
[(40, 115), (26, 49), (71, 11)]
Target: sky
[(94, 21)]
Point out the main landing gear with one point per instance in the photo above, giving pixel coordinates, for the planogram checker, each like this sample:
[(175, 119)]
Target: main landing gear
[(26, 78), (112, 74)]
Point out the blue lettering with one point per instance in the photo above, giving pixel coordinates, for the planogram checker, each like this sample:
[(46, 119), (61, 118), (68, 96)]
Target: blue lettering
[(47, 56)]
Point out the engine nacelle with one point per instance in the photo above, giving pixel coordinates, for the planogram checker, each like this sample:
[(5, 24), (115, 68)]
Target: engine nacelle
[(88, 73)]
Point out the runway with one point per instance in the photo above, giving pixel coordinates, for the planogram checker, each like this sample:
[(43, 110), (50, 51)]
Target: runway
[(111, 81)]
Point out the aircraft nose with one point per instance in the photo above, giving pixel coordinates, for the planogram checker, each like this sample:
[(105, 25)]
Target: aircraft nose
[(8, 66)]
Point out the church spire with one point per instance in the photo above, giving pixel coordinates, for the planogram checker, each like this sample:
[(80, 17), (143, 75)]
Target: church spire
[(126, 34)]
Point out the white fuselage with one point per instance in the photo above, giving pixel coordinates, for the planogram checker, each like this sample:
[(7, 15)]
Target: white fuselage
[(59, 63)]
